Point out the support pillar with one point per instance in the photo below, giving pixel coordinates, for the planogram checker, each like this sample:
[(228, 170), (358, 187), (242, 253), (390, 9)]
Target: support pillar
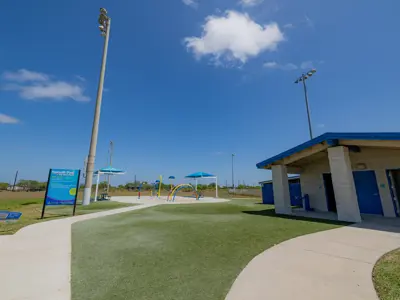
[(281, 190), (343, 184), (384, 192)]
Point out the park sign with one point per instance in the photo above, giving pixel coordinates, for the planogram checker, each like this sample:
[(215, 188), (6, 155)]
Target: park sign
[(9, 215), (62, 188)]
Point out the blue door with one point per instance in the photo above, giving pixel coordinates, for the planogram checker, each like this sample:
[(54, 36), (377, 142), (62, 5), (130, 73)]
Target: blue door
[(294, 189), (267, 194), (295, 194), (367, 190)]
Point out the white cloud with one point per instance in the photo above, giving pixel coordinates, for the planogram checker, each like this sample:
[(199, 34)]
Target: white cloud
[(284, 67), (250, 2), (191, 3), (24, 75), (217, 153), (234, 36), (4, 119), (288, 26), (308, 21), (81, 78), (307, 65), (41, 87)]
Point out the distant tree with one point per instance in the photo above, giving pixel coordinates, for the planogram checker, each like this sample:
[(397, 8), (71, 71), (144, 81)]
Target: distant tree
[(32, 185), (130, 185), (3, 186)]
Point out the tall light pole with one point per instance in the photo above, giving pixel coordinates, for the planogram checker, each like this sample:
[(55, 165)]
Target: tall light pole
[(233, 177), (111, 152), (105, 24), (303, 79)]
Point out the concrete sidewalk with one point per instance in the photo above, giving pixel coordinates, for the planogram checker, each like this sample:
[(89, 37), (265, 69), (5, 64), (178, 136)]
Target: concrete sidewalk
[(329, 265), (35, 262)]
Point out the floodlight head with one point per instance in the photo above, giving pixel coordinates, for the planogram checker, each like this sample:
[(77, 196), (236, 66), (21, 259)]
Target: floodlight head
[(101, 27), (310, 74), (103, 11), (313, 71)]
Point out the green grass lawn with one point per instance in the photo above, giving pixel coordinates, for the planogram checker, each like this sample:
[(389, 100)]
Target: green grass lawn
[(386, 276), (177, 252), (32, 208)]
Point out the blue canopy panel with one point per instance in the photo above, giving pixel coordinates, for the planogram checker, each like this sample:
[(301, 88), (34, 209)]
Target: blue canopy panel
[(110, 170), (199, 175), (171, 177)]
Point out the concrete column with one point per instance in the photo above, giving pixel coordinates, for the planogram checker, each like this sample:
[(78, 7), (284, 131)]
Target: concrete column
[(343, 184), (384, 192), (281, 190)]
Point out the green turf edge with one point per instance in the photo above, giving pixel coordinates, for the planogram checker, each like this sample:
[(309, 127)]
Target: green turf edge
[(386, 276)]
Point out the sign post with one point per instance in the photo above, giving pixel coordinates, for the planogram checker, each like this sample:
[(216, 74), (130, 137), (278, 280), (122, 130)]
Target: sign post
[(62, 188)]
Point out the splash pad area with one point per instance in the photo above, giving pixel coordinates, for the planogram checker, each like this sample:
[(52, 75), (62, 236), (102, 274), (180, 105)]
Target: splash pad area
[(164, 200)]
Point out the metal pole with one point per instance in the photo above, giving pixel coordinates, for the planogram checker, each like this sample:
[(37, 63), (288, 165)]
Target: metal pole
[(97, 187), (111, 150), (233, 178), (95, 130), (15, 181), (216, 187), (308, 109)]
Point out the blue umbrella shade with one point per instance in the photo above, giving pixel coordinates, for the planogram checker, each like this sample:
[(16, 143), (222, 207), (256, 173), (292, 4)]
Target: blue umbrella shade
[(199, 175), (171, 177)]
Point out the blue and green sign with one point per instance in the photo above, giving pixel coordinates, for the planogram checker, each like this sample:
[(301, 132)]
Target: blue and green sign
[(62, 188)]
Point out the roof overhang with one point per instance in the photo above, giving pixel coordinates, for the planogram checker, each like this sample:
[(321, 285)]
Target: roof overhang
[(323, 142)]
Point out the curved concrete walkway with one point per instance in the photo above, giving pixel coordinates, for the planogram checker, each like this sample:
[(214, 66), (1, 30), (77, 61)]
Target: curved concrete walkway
[(329, 265), (35, 262)]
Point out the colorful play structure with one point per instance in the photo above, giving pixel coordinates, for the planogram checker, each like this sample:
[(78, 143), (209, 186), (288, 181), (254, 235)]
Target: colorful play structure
[(156, 190), (176, 189), (202, 175)]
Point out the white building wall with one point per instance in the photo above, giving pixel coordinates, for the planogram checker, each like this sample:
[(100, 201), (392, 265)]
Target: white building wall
[(377, 159), (312, 183)]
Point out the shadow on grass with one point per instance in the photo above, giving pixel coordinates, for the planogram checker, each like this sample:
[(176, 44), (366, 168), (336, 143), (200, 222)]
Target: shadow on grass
[(271, 213), (29, 203)]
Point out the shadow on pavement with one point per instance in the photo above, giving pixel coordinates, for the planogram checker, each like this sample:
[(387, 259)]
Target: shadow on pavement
[(271, 213)]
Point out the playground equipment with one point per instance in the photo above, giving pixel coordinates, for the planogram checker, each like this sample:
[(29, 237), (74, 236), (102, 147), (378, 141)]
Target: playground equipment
[(173, 193), (139, 189), (154, 188), (157, 188), (170, 178), (201, 175), (105, 171)]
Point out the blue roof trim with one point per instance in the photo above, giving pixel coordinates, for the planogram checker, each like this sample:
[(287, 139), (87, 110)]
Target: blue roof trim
[(332, 138)]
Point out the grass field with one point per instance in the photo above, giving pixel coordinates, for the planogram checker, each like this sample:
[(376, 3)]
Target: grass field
[(31, 209), (30, 204), (386, 276), (176, 252)]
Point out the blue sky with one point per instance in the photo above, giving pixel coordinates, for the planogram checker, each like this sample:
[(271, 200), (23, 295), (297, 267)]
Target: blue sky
[(190, 82)]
